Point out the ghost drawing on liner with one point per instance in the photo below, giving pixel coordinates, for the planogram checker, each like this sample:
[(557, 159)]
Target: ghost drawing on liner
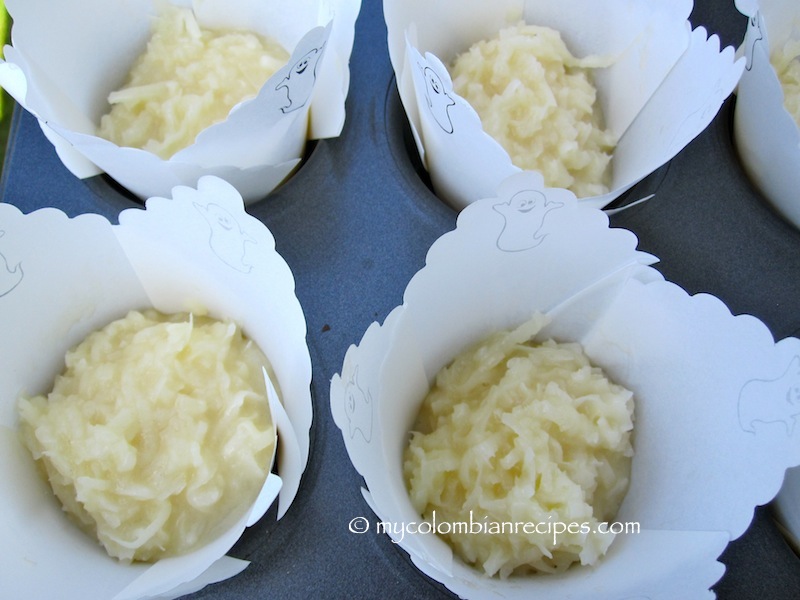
[(227, 239), (524, 217), (299, 83)]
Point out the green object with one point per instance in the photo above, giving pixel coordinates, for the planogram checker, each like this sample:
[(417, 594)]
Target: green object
[(6, 102)]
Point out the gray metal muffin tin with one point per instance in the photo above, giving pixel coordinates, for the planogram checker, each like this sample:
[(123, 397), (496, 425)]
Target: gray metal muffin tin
[(355, 223)]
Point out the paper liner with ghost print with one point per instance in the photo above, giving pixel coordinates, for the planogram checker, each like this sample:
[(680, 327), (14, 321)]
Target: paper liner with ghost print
[(664, 87), (713, 434), (61, 279), (768, 143), (766, 136), (55, 71)]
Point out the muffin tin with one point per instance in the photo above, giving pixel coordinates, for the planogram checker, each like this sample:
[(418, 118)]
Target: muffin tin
[(355, 223)]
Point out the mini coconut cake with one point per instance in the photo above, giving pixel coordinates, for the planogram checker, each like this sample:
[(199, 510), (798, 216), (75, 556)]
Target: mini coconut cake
[(531, 443), (188, 79), (157, 434), (539, 103)]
